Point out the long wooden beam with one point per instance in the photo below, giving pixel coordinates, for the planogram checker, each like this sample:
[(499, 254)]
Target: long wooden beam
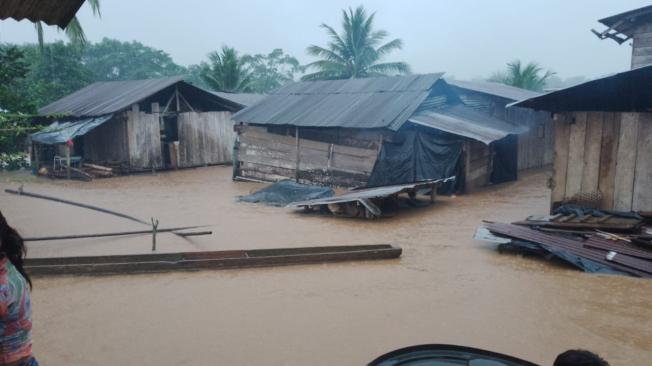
[(231, 259)]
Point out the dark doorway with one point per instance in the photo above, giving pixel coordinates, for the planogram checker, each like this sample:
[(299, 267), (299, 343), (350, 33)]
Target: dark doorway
[(505, 162)]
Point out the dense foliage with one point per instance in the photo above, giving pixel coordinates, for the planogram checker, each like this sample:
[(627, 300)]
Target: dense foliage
[(530, 76), (268, 72), (356, 52)]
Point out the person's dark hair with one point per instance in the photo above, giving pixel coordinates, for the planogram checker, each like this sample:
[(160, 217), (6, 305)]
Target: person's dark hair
[(13, 247), (579, 357)]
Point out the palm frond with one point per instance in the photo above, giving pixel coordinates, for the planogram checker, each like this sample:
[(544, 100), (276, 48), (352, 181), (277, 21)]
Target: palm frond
[(75, 32), (95, 6), (39, 34), (393, 45), (390, 68)]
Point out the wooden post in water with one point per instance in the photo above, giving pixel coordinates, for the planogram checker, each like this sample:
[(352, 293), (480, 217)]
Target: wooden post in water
[(154, 228), (296, 133), (68, 161)]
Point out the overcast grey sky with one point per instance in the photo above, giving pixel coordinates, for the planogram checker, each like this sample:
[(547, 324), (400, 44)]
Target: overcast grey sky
[(464, 38)]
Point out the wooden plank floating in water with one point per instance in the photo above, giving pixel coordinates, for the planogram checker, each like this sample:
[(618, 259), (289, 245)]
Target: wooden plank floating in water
[(188, 261)]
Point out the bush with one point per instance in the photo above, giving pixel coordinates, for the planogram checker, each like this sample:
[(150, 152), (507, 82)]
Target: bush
[(14, 161)]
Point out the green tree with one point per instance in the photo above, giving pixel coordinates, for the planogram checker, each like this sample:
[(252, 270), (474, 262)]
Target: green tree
[(55, 72), (356, 52), (111, 59), (15, 68), (73, 30), (270, 71), (531, 76), (226, 71)]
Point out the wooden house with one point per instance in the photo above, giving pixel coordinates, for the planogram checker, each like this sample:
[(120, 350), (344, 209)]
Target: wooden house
[(536, 143), (603, 141), (635, 25), (139, 125), (370, 132)]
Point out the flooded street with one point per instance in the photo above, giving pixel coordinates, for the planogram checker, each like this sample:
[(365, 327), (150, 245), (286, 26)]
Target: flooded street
[(446, 288)]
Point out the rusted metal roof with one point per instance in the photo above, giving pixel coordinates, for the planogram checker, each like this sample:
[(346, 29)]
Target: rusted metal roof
[(463, 121), (385, 102), (51, 12), (494, 89), (629, 91)]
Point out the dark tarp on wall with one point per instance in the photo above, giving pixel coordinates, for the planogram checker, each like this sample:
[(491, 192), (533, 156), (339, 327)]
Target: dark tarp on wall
[(505, 161), (417, 157)]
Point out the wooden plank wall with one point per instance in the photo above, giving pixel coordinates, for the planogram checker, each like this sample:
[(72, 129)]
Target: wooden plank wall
[(272, 157), (606, 152), (108, 142), (205, 138), (535, 147), (477, 165), (144, 138), (642, 46)]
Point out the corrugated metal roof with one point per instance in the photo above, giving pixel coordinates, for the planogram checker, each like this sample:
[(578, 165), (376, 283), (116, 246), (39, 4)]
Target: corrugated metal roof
[(52, 12), (629, 91), (368, 193), (496, 89), (463, 121), (627, 22), (243, 99), (385, 102), (60, 132), (107, 97)]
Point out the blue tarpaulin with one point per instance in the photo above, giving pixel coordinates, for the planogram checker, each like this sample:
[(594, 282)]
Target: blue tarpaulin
[(60, 132)]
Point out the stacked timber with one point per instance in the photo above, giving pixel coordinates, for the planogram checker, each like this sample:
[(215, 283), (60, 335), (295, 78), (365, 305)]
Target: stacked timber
[(98, 171)]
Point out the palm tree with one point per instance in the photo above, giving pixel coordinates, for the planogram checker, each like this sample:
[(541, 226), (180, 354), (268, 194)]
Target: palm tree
[(226, 71), (73, 30), (526, 77), (357, 52)]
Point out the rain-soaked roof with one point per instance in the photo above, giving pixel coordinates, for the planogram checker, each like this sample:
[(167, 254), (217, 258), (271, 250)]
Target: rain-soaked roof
[(106, 97), (627, 22), (461, 120), (629, 91), (496, 89), (51, 12), (384, 102)]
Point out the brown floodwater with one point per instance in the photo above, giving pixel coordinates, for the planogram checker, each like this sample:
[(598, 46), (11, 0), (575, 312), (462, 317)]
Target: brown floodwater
[(446, 288)]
